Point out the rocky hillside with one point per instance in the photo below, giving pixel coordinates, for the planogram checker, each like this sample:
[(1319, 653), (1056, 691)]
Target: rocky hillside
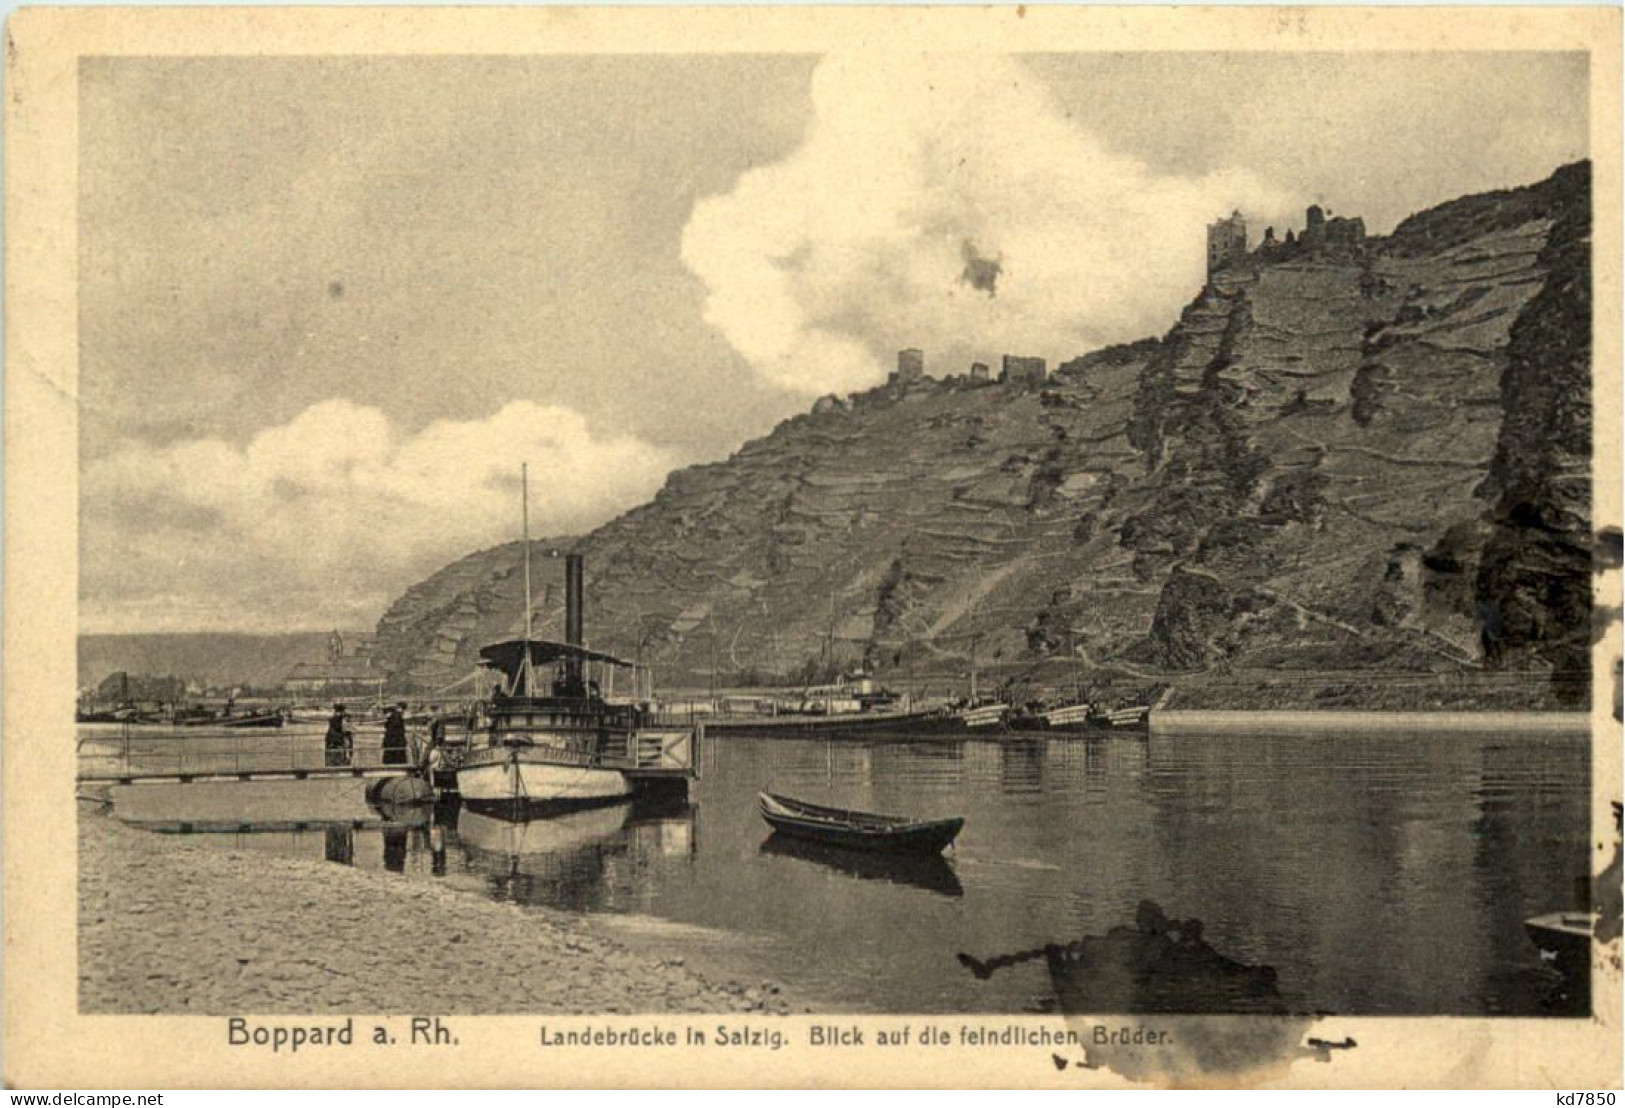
[(1351, 454)]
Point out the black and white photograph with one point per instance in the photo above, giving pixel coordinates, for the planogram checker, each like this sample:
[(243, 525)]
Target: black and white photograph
[(1060, 544)]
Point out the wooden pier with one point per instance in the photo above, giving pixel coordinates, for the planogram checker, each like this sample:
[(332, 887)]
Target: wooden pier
[(131, 756), (135, 756)]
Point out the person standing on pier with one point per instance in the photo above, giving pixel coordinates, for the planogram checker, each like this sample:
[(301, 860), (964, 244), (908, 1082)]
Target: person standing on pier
[(431, 757), (395, 736), (338, 738)]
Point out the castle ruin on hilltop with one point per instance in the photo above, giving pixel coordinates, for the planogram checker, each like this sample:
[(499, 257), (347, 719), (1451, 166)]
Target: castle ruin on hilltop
[(1226, 242), (1016, 370), (1322, 234), (1023, 372)]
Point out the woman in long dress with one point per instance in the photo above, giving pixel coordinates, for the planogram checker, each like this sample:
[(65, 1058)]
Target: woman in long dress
[(395, 736), (337, 742)]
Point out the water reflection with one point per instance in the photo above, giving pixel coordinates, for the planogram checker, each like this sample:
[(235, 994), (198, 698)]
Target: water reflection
[(545, 840), (394, 848), (1021, 765), (574, 859), (585, 860), (248, 805), (1207, 1003), (559, 860), (437, 850), (1155, 965), (1519, 803), (1378, 874), (930, 872), (339, 845)]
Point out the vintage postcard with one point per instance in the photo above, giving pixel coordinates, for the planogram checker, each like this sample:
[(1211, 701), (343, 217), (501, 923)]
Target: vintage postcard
[(1051, 547)]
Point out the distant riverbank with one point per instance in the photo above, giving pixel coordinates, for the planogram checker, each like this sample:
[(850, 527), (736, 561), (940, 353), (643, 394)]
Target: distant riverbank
[(1311, 722), (176, 926), (1377, 691), (1255, 689)]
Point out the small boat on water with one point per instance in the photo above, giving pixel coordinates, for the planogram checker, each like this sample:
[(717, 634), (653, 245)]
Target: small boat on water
[(269, 718), (187, 718), (1082, 717), (125, 714), (1137, 717), (857, 830), (871, 724), (982, 717), (1564, 939), (972, 722)]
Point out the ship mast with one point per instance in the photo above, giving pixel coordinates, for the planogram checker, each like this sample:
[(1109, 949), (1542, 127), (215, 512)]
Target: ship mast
[(524, 499)]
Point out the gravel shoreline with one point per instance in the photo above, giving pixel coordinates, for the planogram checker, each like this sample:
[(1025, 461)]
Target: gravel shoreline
[(168, 926)]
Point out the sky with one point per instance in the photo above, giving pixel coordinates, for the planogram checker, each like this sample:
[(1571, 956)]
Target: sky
[(329, 305)]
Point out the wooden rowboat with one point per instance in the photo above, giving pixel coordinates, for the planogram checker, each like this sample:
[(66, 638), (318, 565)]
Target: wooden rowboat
[(270, 718), (857, 830)]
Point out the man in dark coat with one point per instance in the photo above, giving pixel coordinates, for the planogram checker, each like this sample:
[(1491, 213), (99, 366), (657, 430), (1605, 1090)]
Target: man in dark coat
[(337, 742), (395, 736)]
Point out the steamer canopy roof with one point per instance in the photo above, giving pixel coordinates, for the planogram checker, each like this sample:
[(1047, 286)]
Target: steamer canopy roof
[(510, 656)]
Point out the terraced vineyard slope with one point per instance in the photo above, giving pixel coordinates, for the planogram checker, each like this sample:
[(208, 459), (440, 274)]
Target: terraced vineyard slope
[(1347, 454)]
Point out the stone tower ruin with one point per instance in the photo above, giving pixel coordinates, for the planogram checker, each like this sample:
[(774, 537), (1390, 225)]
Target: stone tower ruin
[(1226, 242)]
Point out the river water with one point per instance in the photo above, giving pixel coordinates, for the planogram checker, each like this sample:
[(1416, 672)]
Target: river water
[(1377, 874)]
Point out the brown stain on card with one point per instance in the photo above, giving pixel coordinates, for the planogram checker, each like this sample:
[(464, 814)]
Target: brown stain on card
[(1154, 1002)]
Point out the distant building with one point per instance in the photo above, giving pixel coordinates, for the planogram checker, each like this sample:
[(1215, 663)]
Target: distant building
[(318, 679), (347, 670), (979, 371), (1023, 371), (1226, 242), (350, 644), (910, 365)]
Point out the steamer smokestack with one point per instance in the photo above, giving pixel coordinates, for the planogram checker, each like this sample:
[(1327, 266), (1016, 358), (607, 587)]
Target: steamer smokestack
[(574, 600)]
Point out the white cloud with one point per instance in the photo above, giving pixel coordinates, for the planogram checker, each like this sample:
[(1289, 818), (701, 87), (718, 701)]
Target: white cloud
[(821, 266), (325, 519)]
